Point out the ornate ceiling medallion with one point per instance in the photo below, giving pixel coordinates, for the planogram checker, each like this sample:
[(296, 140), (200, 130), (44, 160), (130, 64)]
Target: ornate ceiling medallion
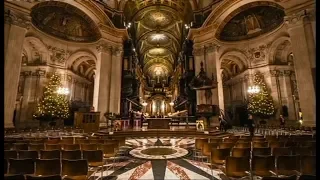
[(64, 21), (158, 39), (157, 19), (157, 51)]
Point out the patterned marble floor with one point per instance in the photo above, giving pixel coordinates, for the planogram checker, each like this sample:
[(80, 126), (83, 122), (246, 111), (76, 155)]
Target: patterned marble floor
[(129, 167)]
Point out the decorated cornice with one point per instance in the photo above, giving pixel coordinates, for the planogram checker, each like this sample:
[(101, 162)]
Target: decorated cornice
[(10, 17), (104, 47), (299, 18), (212, 47)]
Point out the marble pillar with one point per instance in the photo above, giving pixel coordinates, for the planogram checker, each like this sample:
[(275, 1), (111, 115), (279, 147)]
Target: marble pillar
[(14, 36), (101, 95), (27, 96), (303, 47), (116, 72), (286, 94)]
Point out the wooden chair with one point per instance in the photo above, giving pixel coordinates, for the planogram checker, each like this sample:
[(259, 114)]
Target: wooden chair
[(263, 166), (48, 167), (13, 154), (53, 146), (226, 145), (71, 155), (271, 138), (8, 146), (276, 144), (243, 141), (259, 144), (75, 169), (243, 145), (308, 165), (14, 177), (20, 146), (88, 146), (82, 141), (218, 156), (68, 140), (52, 141), (55, 177), (240, 152), (96, 141), (237, 167), (207, 148), (70, 147), (94, 157), (215, 140), (28, 154), (288, 165), (261, 151), (228, 140), (302, 151), (281, 151), (51, 154), (36, 147), (107, 149), (21, 166), (199, 143), (5, 166), (307, 177)]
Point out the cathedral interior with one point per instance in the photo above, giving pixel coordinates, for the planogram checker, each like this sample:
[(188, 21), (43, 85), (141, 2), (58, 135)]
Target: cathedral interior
[(161, 88)]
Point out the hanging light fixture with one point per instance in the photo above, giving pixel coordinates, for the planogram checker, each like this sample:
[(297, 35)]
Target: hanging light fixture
[(253, 89), (63, 91), (171, 103), (144, 104)]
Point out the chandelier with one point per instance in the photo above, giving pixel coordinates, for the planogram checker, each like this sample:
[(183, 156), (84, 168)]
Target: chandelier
[(63, 91), (253, 89), (202, 81)]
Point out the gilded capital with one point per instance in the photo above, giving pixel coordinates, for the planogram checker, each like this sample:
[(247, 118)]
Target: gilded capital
[(117, 51), (104, 47), (21, 21), (212, 47), (198, 51), (299, 18)]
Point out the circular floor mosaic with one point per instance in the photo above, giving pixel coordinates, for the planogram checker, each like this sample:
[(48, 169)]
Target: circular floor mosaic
[(158, 152)]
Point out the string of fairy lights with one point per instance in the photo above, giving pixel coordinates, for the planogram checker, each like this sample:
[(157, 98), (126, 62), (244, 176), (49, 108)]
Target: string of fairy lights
[(53, 104), (260, 102)]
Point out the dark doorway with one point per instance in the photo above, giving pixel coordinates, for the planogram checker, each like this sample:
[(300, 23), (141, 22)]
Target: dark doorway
[(241, 115)]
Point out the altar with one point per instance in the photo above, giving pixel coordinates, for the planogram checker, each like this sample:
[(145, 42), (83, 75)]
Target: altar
[(158, 123)]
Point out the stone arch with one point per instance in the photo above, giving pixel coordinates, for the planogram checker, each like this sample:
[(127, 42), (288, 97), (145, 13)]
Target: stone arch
[(274, 50), (33, 44), (235, 56), (78, 55), (76, 60)]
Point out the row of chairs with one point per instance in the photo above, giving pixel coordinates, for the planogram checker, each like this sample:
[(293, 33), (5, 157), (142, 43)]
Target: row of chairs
[(41, 146), (56, 154), (47, 167), (268, 166)]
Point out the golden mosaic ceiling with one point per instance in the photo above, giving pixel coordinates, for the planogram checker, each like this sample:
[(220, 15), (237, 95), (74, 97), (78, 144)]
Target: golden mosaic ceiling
[(158, 30)]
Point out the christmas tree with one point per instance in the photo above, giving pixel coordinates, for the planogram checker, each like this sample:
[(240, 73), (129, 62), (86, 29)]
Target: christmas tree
[(53, 105), (260, 103)]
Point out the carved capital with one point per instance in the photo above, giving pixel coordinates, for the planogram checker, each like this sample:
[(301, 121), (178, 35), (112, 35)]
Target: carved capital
[(21, 21), (117, 51), (274, 73), (198, 51), (212, 47), (104, 47), (26, 73), (287, 73), (299, 18)]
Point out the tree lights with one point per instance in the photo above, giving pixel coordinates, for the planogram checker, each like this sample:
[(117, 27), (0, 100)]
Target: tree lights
[(260, 101), (53, 104)]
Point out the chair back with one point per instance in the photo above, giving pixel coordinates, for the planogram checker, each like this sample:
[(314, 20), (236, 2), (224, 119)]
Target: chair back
[(54, 177), (25, 154), (71, 155), (225, 145), (20, 146), (88, 146), (93, 155), (51, 154), (53, 146), (74, 167), (263, 163), (13, 154), (288, 163), (48, 167), (240, 152), (261, 151), (71, 147), (36, 147), (219, 156), (237, 166), (21, 166), (308, 165), (281, 151)]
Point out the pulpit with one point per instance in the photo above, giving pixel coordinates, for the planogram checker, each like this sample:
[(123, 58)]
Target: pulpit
[(158, 123), (205, 112)]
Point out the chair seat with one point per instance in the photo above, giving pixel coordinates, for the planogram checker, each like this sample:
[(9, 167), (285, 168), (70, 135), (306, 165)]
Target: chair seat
[(83, 177), (237, 174), (263, 173), (219, 161), (287, 172), (96, 164), (108, 155)]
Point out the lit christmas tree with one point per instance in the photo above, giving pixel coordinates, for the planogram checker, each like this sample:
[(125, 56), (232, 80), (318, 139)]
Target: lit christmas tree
[(53, 105), (260, 103)]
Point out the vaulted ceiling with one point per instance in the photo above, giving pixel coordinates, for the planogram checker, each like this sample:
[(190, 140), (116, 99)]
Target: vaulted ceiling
[(156, 30)]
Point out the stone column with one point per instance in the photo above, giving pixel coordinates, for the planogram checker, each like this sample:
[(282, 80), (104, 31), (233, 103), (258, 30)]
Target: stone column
[(272, 81), (198, 54), (214, 69), (27, 96), (286, 93), (101, 95), (116, 76), (15, 31), (303, 46)]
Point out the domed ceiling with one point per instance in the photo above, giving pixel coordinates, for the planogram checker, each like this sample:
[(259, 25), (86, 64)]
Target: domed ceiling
[(64, 21), (250, 23), (158, 26)]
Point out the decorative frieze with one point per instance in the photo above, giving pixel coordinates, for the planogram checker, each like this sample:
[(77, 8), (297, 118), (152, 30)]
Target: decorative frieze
[(58, 55), (299, 17), (21, 21)]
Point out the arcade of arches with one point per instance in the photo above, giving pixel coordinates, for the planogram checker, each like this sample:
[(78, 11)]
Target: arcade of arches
[(117, 55)]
